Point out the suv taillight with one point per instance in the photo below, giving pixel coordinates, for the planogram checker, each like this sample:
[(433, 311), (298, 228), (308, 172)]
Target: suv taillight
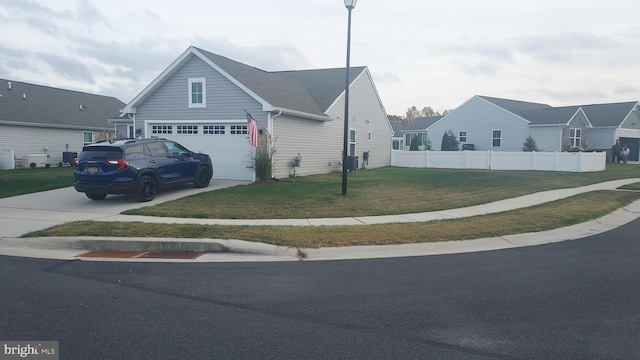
[(122, 163)]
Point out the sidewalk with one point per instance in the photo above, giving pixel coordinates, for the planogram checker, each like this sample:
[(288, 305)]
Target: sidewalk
[(231, 250)]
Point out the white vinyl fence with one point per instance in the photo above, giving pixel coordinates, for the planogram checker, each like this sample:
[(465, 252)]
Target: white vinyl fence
[(501, 160)]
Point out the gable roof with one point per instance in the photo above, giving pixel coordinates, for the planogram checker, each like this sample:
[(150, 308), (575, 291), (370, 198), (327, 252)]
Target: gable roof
[(614, 114), (515, 106), (309, 92), (551, 116), (418, 124), (599, 115), (36, 105)]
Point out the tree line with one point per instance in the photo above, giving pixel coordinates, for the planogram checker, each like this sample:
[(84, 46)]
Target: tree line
[(413, 112)]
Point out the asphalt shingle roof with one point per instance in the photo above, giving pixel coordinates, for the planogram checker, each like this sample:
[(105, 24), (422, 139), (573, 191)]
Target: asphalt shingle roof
[(53, 106), (600, 115), (310, 91), (608, 114)]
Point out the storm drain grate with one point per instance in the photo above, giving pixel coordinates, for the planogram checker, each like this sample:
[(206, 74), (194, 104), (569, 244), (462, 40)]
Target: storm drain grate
[(170, 255), (140, 254), (112, 254)]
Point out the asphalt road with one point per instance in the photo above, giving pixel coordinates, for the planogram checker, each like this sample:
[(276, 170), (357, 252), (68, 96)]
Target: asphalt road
[(571, 300)]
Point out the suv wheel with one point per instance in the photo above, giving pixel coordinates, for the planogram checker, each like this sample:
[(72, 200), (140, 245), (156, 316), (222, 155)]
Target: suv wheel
[(147, 188), (203, 178), (94, 196)]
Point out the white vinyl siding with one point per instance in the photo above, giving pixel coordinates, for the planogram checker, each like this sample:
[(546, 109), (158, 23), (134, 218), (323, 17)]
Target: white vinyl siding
[(479, 118), (25, 140), (296, 135)]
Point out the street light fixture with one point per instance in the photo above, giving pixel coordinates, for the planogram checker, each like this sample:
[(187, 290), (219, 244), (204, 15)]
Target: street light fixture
[(349, 4)]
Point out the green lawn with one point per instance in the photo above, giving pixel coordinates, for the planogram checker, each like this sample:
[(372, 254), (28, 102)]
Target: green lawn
[(375, 192), (370, 192), (26, 181)]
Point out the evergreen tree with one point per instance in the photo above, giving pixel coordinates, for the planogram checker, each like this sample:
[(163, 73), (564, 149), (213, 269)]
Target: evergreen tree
[(449, 142), (414, 143), (530, 144)]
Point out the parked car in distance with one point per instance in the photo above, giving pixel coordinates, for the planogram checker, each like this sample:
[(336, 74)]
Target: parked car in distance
[(469, 147), (138, 167)]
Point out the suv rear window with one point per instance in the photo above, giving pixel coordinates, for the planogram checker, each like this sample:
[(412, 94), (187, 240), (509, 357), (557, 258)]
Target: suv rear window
[(101, 152)]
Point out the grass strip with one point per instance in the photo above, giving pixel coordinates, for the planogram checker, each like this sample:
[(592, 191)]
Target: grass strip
[(542, 217)]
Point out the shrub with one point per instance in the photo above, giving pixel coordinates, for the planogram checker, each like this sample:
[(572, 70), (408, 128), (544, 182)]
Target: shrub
[(530, 144), (262, 158), (449, 142), (33, 165), (47, 166), (414, 143)]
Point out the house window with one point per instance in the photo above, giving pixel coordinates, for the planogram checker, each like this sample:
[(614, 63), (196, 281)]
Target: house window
[(162, 129), (369, 136), (238, 130), (462, 136), (575, 137), (87, 137), (497, 138), (213, 129), (197, 93), (352, 142), (187, 129), (422, 138)]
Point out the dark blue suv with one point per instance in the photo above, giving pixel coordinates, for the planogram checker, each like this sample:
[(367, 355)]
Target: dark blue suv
[(138, 167)]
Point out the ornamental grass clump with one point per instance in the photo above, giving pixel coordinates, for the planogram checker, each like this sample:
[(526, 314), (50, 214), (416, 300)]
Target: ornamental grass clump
[(262, 158)]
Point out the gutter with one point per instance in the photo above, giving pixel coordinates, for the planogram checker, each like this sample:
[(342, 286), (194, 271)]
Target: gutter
[(302, 114), (54, 126)]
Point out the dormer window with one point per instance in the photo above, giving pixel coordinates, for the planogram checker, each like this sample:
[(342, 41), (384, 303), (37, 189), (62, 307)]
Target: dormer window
[(197, 93)]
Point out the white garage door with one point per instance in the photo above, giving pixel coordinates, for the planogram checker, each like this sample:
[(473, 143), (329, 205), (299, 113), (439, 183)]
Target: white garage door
[(226, 143)]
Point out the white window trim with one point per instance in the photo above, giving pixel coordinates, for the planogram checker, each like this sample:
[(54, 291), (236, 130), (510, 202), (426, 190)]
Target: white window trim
[(493, 138), (84, 143), (466, 135), (572, 139), (204, 92)]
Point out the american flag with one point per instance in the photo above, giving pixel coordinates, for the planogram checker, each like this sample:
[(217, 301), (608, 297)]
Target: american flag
[(252, 126)]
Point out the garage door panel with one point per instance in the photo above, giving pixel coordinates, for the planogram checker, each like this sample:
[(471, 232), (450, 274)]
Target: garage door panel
[(230, 153)]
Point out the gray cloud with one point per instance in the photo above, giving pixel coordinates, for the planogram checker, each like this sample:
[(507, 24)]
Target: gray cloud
[(562, 47)]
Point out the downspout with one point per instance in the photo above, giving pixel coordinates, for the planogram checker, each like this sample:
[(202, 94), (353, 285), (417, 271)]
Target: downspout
[(270, 123), (134, 126)]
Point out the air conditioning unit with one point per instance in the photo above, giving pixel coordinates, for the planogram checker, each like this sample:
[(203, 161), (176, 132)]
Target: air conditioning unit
[(39, 159), (6, 160)]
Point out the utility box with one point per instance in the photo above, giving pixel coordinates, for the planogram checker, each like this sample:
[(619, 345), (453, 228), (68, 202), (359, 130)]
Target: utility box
[(39, 159), (68, 156), (352, 163)]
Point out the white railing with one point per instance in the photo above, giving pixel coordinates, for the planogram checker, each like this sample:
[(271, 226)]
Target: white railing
[(501, 160)]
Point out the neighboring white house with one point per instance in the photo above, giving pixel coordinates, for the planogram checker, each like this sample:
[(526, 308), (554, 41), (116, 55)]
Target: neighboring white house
[(43, 120), (201, 98), (416, 130), (503, 125)]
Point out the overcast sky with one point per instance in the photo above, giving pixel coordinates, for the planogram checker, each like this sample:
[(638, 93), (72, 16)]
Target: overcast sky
[(422, 53)]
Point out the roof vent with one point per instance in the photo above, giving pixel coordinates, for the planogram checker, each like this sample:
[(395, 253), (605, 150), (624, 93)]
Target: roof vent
[(9, 85), (81, 107), (24, 96)]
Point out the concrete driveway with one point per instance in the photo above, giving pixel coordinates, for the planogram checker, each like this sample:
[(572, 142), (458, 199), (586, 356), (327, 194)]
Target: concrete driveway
[(22, 214)]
